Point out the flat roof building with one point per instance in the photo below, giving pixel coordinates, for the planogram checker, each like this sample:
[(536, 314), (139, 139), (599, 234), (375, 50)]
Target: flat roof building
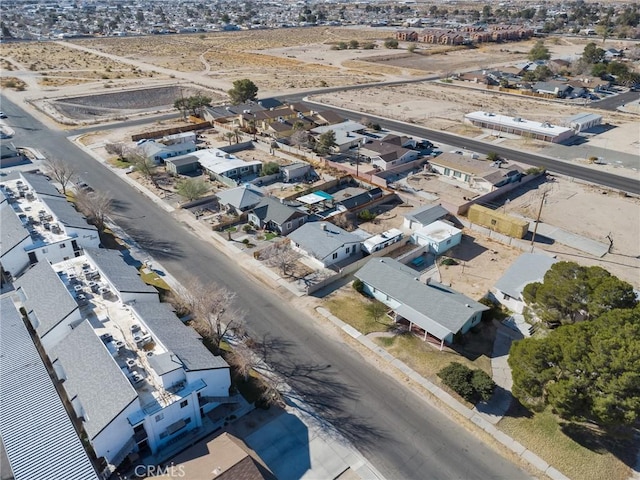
[(519, 126)]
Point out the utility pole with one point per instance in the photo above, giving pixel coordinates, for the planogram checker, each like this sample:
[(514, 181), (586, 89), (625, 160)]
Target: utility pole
[(535, 229)]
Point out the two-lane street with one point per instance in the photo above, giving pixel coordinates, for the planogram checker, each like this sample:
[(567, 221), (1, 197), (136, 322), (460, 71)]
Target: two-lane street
[(400, 433)]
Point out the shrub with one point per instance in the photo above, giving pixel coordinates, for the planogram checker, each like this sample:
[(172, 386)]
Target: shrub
[(472, 385), (358, 285), (246, 228), (269, 168), (391, 43), (457, 377), (366, 215), (483, 385), (449, 261)]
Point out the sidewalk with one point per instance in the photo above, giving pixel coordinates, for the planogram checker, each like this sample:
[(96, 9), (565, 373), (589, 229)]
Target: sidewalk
[(357, 464), (480, 419)]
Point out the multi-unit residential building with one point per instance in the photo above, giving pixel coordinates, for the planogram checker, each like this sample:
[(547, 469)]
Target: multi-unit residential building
[(39, 223)]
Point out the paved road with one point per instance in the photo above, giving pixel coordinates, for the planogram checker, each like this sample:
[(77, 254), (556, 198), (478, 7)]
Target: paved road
[(630, 185), (396, 430), (615, 101)]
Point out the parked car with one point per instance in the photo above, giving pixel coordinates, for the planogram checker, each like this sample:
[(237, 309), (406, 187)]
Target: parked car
[(3, 115)]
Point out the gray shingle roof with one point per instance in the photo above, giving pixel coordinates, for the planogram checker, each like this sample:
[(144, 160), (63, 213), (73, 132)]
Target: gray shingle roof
[(439, 303), (240, 198), (271, 210), (427, 214), (38, 436), (322, 242), (183, 341), (123, 277), (52, 304), (183, 160), (12, 232), (66, 214), (41, 185), (165, 363), (526, 269), (93, 376)]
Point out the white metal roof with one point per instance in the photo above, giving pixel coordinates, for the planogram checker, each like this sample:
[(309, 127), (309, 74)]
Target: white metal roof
[(38, 436), (543, 128)]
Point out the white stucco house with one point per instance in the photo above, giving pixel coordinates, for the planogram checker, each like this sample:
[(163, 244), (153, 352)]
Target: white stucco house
[(437, 310), (439, 236), (527, 268), (424, 215), (325, 244)]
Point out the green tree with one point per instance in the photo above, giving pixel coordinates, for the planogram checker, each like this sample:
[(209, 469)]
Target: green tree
[(354, 44), (482, 384), (617, 68), (592, 53), (391, 43), (243, 91), (589, 371), (493, 156), (570, 291), (269, 168), (192, 105), (539, 52), (326, 142), (192, 188), (599, 70)]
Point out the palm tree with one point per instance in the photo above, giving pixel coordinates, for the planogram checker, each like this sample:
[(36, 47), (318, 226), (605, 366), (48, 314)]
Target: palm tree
[(236, 133), (229, 136)]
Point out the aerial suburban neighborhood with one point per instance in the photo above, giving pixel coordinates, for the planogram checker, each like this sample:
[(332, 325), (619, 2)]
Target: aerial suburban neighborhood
[(319, 240)]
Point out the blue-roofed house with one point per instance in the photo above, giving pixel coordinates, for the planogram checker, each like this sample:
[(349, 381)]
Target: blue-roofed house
[(326, 244), (527, 268), (435, 309)]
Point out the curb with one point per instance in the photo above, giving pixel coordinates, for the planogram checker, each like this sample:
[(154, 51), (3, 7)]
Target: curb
[(477, 418)]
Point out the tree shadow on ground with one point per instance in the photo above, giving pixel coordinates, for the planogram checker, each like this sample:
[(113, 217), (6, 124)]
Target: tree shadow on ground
[(623, 445), (517, 410), (315, 390), (157, 248)]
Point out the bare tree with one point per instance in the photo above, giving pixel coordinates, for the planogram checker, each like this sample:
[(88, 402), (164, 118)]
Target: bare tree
[(60, 171), (243, 359), (212, 308), (281, 256), (119, 149), (144, 165), (299, 138), (95, 206), (376, 310)]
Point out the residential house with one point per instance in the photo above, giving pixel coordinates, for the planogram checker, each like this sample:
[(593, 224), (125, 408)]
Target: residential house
[(52, 310), (274, 215), (353, 197), (406, 35), (527, 268), (612, 54), (386, 156), (437, 310), (399, 140), (552, 87), (240, 199), (424, 215), (498, 177), (224, 166), (176, 138), (227, 456), (38, 437), (459, 167), (348, 134), (326, 244), (382, 240), (439, 236), (230, 113), (158, 152), (326, 117)]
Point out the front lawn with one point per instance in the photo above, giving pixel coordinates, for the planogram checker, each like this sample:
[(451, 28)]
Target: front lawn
[(351, 307), (584, 454)]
